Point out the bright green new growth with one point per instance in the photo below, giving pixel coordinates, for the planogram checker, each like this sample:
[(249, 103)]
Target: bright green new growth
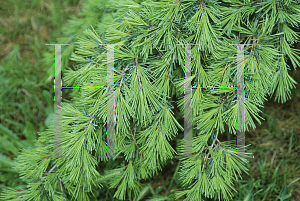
[(149, 72)]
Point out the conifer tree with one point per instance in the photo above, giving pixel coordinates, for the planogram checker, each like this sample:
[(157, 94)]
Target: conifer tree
[(97, 13), (148, 82)]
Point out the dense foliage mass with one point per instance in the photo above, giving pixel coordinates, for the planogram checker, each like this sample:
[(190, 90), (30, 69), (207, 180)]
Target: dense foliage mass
[(149, 82)]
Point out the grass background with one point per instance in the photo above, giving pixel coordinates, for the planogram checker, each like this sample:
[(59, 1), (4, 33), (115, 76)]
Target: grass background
[(26, 97), (26, 90)]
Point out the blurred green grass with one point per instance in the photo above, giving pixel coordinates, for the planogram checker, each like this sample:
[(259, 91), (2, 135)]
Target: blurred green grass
[(26, 94)]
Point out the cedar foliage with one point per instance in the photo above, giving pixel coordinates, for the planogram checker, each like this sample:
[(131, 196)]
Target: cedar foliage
[(149, 81)]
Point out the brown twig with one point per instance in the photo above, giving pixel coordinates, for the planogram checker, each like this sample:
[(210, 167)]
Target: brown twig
[(90, 123), (201, 6), (206, 157)]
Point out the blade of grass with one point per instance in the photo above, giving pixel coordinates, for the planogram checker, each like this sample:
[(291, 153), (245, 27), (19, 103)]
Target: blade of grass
[(173, 178)]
